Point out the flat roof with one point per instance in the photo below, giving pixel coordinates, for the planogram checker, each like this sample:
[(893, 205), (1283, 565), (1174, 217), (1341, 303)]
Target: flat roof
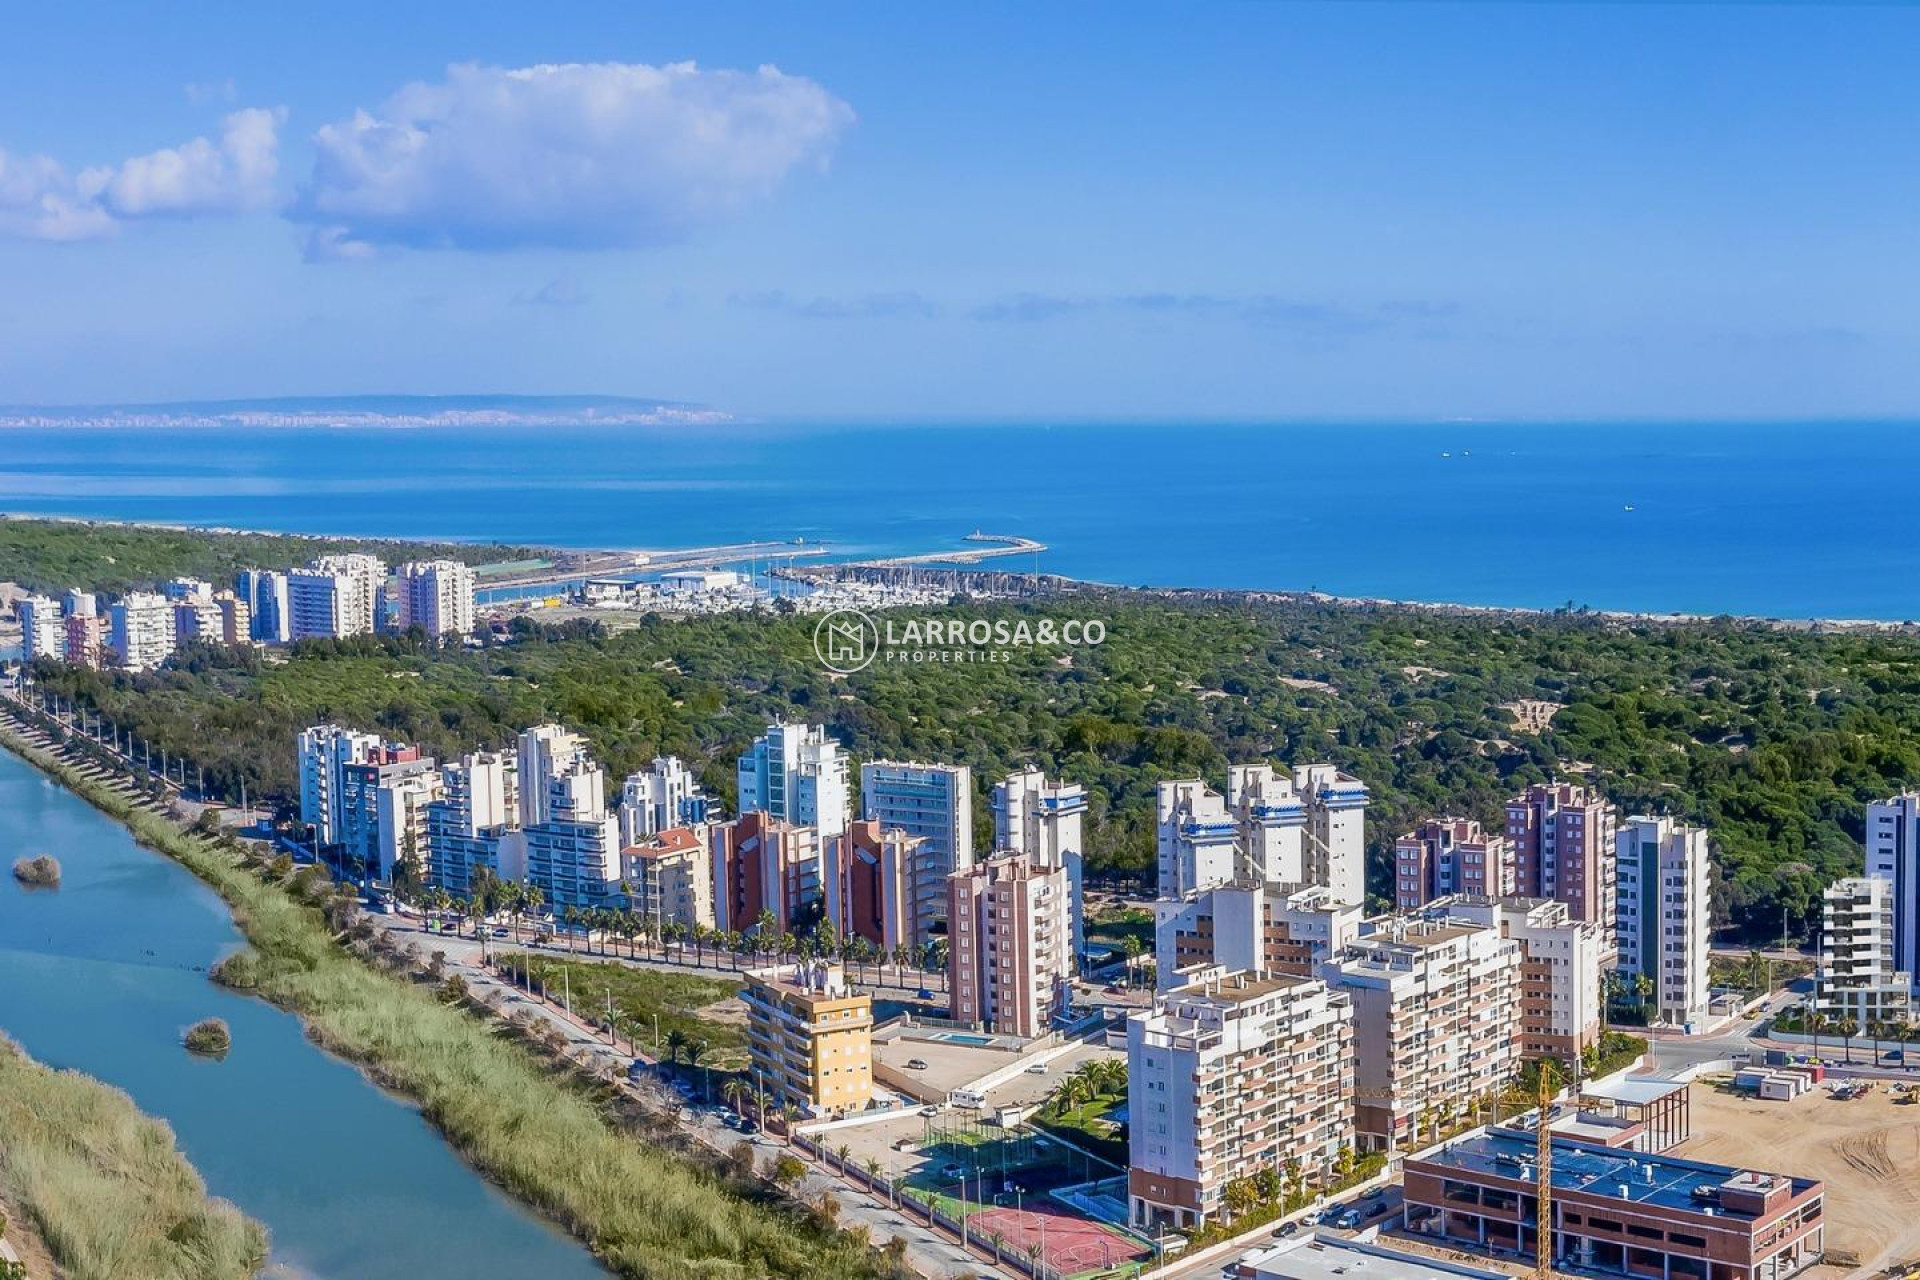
[(1635, 1089), (1312, 1256), (1638, 1177), (1237, 987)]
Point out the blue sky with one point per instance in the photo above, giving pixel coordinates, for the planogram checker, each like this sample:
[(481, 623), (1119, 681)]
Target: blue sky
[(1210, 211)]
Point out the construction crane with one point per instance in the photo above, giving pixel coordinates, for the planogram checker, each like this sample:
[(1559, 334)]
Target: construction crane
[(1543, 1163)]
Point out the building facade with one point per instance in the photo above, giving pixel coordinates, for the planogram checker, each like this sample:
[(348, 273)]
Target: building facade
[(872, 880), (1009, 943), (1563, 963), (1663, 919), (1436, 1015), (1228, 1076), (1893, 855), (669, 878), (1445, 856), (141, 630), (762, 864), (436, 596), (42, 626), (1627, 1213), (368, 576), (810, 1038), (796, 773), (1857, 980), (1564, 848), (664, 797), (322, 605), (322, 754), (933, 805), (1043, 820), (474, 824), (1262, 928)]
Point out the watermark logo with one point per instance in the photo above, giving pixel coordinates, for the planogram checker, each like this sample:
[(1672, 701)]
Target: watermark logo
[(846, 641)]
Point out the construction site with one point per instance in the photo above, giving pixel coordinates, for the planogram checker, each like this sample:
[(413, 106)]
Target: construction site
[(1866, 1148)]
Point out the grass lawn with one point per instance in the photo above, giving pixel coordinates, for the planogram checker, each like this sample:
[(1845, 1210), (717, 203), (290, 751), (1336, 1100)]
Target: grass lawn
[(1087, 1127), (684, 1002), (1111, 926)]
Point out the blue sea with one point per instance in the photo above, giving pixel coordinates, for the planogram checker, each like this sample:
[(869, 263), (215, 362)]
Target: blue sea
[(1783, 520)]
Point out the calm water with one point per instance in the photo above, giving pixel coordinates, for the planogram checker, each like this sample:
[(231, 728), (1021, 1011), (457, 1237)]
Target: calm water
[(104, 975), (1765, 519)]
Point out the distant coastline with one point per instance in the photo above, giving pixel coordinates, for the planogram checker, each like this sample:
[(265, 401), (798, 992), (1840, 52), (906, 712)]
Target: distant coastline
[(368, 413), (1063, 585)]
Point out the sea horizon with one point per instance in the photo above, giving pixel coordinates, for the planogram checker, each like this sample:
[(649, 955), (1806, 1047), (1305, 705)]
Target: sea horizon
[(1749, 519)]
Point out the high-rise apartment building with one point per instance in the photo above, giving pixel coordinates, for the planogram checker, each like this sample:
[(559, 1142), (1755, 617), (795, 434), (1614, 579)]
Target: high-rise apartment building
[(197, 618), (1562, 968), (436, 596), (236, 618), (181, 589), (369, 577), (1043, 820), (1662, 918), (1893, 855), (1858, 979), (1445, 856), (669, 877), (375, 825), (933, 805), (796, 773), (43, 627), (1563, 847), (761, 863), (1262, 928), (1305, 828), (322, 755), (474, 825), (1227, 1076), (1436, 1016), (85, 638), (810, 1038), (265, 593), (872, 880), (666, 796), (322, 605), (572, 839), (1009, 945), (141, 631)]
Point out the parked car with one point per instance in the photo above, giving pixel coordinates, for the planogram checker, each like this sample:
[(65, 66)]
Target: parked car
[(1037, 1069), (1374, 1193), (1348, 1219), (1379, 1207), (924, 993), (1286, 1229), (916, 1064)]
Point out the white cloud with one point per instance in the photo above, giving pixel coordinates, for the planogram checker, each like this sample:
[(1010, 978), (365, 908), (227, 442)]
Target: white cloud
[(571, 156), (41, 200), (233, 175)]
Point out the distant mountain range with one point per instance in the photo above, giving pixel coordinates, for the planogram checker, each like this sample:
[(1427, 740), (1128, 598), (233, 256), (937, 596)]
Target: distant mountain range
[(371, 411)]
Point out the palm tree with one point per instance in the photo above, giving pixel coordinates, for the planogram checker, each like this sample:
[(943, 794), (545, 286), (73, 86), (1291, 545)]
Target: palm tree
[(733, 1091), (572, 917), (676, 1044), (532, 898)]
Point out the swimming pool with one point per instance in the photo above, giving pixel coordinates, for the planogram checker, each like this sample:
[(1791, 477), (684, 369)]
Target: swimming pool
[(964, 1037)]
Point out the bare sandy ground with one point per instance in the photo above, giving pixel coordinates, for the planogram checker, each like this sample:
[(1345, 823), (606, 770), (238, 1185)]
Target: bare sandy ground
[(1867, 1151)]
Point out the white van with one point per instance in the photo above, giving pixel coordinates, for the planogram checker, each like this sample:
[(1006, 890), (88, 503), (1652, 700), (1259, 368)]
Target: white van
[(967, 1098)]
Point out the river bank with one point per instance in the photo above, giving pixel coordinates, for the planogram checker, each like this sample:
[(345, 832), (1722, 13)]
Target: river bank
[(105, 1188), (550, 1142)]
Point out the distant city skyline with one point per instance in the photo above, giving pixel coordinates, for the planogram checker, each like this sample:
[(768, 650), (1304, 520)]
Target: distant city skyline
[(1229, 212)]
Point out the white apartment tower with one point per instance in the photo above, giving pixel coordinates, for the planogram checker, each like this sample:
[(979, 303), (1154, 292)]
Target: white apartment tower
[(437, 597), (933, 805), (1251, 925), (474, 824), (1858, 980), (1043, 820), (1562, 967), (1229, 1075), (1305, 828), (796, 773), (572, 841), (1893, 855), (141, 634), (1662, 915), (322, 605), (323, 754), (666, 796), (1436, 1015), (369, 577), (43, 628)]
